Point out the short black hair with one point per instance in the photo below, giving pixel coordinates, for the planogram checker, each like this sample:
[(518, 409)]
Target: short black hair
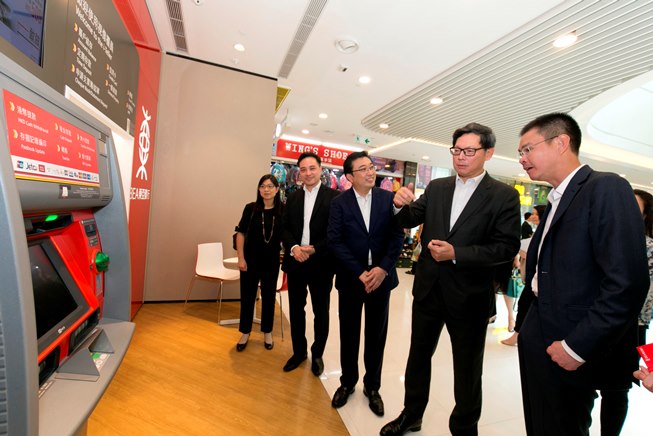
[(309, 154), (348, 166), (487, 135), (554, 124), (527, 215)]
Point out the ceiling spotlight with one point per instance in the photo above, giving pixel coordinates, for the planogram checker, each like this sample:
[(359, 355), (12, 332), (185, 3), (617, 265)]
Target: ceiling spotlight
[(565, 40), (306, 131), (384, 125), (426, 158), (622, 175), (347, 46), (436, 100), (239, 47), (364, 80), (323, 116)]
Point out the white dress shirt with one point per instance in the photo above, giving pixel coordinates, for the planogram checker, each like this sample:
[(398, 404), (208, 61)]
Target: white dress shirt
[(365, 205)]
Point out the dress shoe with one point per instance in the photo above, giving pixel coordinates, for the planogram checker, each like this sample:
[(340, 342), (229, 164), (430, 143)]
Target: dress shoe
[(293, 362), (401, 425), (268, 345), (376, 403), (341, 396), (241, 347), (318, 366)]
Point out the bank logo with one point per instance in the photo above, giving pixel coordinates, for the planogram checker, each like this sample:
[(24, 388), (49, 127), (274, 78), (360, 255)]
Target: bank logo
[(144, 144)]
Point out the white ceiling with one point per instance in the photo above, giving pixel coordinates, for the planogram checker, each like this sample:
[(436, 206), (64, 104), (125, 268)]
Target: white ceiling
[(492, 62)]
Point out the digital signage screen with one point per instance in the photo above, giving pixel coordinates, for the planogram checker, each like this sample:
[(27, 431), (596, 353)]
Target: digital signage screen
[(21, 24)]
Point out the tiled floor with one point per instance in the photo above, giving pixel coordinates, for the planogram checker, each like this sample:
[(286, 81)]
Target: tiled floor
[(502, 410)]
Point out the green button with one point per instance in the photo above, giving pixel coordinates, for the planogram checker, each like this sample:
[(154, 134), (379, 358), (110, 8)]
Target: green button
[(101, 261)]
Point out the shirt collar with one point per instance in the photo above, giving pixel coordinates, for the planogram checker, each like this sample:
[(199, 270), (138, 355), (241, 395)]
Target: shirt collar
[(474, 180), (369, 195), (314, 191), (556, 193)]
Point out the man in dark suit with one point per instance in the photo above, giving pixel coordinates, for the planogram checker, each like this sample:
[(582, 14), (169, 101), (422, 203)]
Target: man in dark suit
[(307, 261), (366, 242), (471, 224), (587, 277)]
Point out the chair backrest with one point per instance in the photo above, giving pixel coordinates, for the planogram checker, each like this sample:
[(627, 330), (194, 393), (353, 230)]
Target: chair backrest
[(209, 259)]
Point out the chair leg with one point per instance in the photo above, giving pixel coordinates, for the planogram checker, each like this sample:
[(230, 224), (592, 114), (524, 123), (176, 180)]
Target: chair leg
[(220, 302), (190, 286), (281, 313)]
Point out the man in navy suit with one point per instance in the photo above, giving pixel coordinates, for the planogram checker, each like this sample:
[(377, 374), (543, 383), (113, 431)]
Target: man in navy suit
[(307, 261), (471, 225), (366, 242), (587, 277)]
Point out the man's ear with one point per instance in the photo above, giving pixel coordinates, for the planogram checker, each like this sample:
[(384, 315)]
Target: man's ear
[(562, 142), (350, 177)]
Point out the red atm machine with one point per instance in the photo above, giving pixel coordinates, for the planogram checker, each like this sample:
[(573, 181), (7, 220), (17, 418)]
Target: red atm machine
[(64, 262)]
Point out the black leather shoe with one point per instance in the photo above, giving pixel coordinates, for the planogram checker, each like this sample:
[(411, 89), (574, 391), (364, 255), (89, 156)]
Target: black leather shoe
[(401, 425), (268, 346), (241, 347), (341, 396), (318, 366), (376, 403), (293, 362)]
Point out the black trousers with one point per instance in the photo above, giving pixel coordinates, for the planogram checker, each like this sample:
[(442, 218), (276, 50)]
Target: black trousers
[(350, 308), (249, 280), (467, 333), (308, 278), (551, 405)]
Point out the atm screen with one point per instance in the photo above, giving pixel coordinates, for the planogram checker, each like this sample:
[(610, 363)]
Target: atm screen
[(58, 302)]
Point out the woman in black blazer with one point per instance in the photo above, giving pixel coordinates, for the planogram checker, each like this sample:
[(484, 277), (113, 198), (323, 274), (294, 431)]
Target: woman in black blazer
[(258, 244)]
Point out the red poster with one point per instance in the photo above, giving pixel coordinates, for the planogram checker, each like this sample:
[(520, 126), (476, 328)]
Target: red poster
[(329, 155), (46, 148)]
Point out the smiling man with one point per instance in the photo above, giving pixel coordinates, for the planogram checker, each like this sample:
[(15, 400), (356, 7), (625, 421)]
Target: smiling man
[(471, 224), (366, 242)]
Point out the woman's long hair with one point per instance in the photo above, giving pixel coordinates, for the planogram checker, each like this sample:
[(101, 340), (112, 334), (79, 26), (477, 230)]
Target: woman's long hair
[(647, 199), (277, 198)]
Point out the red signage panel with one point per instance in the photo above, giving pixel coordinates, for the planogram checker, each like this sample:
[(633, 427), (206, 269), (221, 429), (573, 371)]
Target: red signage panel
[(328, 155), (46, 148)]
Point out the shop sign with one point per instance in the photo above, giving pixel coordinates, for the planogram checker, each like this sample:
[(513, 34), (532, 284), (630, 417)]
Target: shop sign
[(328, 155)]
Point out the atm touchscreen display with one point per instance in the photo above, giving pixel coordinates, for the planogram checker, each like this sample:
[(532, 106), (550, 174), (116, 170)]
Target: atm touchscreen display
[(58, 302)]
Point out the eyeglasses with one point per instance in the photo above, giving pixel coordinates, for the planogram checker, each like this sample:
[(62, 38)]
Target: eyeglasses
[(525, 150), (370, 168), (266, 187), (466, 151)]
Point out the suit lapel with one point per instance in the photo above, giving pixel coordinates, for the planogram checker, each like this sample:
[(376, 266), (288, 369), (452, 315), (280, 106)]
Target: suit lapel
[(478, 198), (572, 189), (358, 215), (374, 210), (447, 204)]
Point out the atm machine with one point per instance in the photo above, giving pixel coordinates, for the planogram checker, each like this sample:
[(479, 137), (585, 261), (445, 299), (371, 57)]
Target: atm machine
[(64, 259)]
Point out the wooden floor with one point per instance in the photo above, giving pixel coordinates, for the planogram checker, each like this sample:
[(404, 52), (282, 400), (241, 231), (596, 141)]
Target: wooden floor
[(183, 376)]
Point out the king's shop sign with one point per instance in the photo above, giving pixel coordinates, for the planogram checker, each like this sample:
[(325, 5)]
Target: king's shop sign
[(293, 149)]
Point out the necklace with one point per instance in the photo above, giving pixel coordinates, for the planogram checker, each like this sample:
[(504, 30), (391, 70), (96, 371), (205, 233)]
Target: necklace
[(267, 240)]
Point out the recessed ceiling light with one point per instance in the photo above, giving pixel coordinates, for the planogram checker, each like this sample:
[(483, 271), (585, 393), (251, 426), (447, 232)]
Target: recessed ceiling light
[(306, 131), (323, 116), (622, 175), (239, 47), (565, 40), (521, 175), (384, 125), (436, 100), (426, 157), (347, 46), (364, 80)]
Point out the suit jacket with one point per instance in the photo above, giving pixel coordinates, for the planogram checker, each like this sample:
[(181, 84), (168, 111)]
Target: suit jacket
[(293, 226), (485, 234), (350, 241), (592, 277)]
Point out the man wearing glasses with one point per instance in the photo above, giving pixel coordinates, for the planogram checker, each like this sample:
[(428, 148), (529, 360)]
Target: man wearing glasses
[(307, 261), (586, 280), (366, 241), (471, 224)]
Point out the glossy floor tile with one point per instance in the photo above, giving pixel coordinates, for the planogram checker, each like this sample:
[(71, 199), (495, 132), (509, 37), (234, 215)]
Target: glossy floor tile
[(502, 410)]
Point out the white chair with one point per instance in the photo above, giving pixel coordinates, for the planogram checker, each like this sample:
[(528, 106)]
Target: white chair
[(210, 266)]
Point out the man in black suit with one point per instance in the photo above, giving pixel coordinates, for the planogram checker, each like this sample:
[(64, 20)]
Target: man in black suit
[(307, 261), (366, 241), (587, 277), (471, 224)]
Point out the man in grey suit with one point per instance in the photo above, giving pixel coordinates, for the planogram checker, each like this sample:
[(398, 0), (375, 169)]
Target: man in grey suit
[(587, 277), (471, 224)]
